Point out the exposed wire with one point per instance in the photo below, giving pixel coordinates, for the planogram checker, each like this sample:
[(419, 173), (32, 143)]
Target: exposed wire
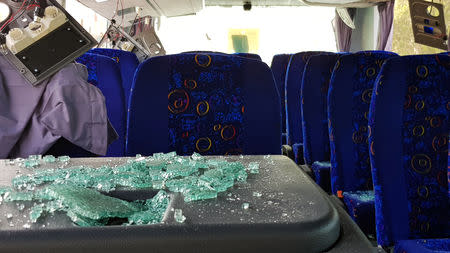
[(16, 15)]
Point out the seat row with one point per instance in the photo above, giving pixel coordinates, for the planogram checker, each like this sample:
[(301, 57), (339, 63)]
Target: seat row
[(114, 72), (382, 121), (216, 104)]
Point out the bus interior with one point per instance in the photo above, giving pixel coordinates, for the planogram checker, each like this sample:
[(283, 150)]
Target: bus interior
[(225, 126)]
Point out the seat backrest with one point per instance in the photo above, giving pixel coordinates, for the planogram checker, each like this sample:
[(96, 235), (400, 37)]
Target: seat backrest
[(279, 66), (212, 104), (294, 77), (105, 74), (128, 63), (249, 55), (349, 99), (313, 100), (408, 142)]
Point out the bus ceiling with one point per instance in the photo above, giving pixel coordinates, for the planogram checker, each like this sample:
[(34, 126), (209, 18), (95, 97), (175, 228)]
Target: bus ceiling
[(128, 9), (330, 3)]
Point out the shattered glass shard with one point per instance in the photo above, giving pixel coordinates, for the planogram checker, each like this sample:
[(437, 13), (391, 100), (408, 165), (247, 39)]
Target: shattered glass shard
[(156, 208), (199, 193), (90, 203), (63, 159), (178, 216), (77, 190), (49, 159), (18, 196), (253, 168), (36, 212)]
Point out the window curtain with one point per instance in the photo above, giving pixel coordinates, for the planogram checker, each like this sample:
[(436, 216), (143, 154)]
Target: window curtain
[(386, 14), (342, 32)]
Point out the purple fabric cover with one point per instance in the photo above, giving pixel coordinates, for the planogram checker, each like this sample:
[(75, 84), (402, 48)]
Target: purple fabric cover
[(343, 33), (32, 119), (386, 12)]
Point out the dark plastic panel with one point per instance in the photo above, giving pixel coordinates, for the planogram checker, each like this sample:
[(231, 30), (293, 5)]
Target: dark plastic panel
[(292, 215)]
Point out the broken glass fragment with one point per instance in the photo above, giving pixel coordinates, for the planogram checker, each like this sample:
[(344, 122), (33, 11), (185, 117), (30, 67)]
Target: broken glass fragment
[(178, 216), (257, 194), (199, 193), (49, 159), (77, 191), (253, 168), (91, 204), (36, 212), (63, 159)]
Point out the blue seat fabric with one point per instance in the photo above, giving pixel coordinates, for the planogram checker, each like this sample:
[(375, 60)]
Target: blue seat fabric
[(294, 76), (409, 129), (249, 55), (423, 246), (128, 63), (212, 104), (361, 207), (349, 100), (279, 66), (104, 73), (321, 172), (314, 91)]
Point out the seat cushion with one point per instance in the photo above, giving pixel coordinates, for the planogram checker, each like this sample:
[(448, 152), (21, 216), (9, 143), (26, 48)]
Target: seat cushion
[(361, 207), (423, 246), (298, 152), (321, 172)]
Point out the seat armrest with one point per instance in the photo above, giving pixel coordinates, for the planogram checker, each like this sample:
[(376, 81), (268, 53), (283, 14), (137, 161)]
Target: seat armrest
[(288, 151)]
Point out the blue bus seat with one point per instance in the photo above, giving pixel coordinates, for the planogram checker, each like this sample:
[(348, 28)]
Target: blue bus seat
[(313, 105), (104, 73), (279, 66), (408, 144), (294, 76), (349, 100), (128, 63), (212, 104), (423, 246), (249, 55)]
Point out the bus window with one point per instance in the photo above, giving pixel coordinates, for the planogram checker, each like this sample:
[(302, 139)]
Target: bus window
[(268, 30)]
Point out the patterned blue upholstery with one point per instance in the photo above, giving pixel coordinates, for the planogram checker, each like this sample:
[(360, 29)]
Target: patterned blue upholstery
[(361, 207), (321, 172), (423, 246), (348, 109), (314, 91), (105, 74), (408, 138), (249, 55), (128, 63), (213, 104), (279, 68), (294, 76)]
